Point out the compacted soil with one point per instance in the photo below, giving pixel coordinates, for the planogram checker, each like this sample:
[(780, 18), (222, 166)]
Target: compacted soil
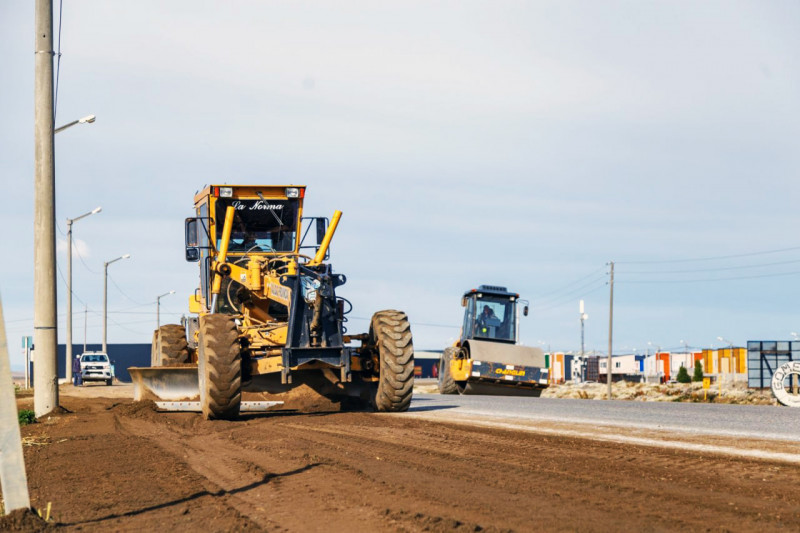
[(107, 464)]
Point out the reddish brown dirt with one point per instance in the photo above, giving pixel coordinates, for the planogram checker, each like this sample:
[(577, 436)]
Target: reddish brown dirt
[(112, 465)]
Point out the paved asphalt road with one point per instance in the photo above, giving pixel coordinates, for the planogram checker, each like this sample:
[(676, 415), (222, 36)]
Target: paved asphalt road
[(746, 421)]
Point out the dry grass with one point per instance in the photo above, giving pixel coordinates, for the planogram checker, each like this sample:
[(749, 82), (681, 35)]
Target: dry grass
[(737, 393)]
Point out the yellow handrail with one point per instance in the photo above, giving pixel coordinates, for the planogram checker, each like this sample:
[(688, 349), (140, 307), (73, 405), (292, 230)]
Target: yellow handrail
[(326, 241)]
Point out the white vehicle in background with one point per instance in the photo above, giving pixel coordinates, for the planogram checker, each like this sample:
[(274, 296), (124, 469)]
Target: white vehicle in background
[(95, 366)]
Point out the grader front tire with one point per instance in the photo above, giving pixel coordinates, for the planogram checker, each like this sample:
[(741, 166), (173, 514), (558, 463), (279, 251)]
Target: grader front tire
[(446, 383), (390, 333), (169, 346), (219, 367)]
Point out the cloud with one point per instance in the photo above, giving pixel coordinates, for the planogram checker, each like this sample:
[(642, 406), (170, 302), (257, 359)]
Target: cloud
[(80, 249)]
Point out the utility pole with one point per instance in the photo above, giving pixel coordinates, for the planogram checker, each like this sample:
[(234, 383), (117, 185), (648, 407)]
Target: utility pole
[(158, 308), (45, 327), (70, 221), (610, 324), (13, 479), (582, 365), (105, 299)]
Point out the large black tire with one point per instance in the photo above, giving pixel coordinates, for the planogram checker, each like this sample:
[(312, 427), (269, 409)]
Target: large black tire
[(446, 383), (219, 367), (169, 346), (390, 333)]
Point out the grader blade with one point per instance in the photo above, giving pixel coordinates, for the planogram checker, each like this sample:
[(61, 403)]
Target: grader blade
[(165, 383)]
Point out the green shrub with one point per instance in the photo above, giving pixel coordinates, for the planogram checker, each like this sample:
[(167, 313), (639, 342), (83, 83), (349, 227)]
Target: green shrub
[(698, 371), (26, 416), (683, 376)]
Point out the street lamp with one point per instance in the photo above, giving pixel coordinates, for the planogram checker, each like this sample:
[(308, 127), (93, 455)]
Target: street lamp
[(84, 120), (105, 298), (158, 308), (582, 364), (656, 349), (719, 357), (69, 288)]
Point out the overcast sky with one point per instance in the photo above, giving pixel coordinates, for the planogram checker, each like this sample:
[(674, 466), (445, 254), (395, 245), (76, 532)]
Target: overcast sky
[(523, 144)]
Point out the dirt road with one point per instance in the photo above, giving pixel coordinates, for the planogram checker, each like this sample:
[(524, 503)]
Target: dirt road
[(108, 464)]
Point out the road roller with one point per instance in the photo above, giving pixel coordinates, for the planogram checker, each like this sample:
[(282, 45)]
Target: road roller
[(488, 357)]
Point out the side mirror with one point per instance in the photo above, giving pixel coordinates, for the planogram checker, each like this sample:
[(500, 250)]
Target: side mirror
[(191, 233), (525, 310), (463, 302), (192, 251)]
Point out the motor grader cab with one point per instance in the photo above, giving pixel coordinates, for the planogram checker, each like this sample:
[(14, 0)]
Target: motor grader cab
[(488, 358), (266, 316)]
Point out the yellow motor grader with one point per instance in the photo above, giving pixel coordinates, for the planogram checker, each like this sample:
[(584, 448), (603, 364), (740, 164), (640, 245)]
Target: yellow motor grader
[(266, 318)]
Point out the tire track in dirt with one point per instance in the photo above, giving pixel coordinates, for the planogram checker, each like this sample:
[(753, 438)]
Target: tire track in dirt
[(660, 466), (338, 472), (414, 474), (264, 483)]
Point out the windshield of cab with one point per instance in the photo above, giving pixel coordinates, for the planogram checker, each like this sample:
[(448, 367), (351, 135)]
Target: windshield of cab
[(495, 318), (94, 358), (266, 226)]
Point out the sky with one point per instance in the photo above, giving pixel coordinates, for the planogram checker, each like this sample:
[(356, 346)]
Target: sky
[(522, 144)]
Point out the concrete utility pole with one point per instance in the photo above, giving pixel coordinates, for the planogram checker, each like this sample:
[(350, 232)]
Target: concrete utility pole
[(69, 286), (45, 327), (158, 307), (582, 364), (85, 320), (610, 325), (105, 299), (13, 479)]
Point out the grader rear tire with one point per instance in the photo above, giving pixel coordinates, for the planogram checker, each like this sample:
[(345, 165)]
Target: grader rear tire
[(169, 346), (390, 333), (219, 367), (446, 383)]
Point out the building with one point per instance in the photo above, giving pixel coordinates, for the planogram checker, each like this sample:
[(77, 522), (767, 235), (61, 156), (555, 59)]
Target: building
[(626, 367), (726, 363)]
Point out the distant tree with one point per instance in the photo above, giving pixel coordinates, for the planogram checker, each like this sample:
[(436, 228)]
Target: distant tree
[(683, 376), (698, 371)]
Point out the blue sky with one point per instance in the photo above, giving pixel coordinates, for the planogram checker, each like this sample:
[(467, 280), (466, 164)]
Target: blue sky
[(524, 144)]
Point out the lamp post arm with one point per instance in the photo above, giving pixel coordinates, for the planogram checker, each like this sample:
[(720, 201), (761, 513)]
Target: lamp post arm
[(65, 126)]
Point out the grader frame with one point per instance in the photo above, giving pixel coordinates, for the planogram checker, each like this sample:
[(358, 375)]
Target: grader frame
[(267, 317)]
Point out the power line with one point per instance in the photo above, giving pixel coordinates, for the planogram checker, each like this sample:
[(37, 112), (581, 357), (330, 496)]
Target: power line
[(780, 274), (570, 300), (78, 253), (413, 323), (710, 269), (58, 60), (138, 304), (556, 291), (573, 292), (750, 254)]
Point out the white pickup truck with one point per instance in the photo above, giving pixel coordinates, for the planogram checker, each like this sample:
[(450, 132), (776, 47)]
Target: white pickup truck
[(95, 366)]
